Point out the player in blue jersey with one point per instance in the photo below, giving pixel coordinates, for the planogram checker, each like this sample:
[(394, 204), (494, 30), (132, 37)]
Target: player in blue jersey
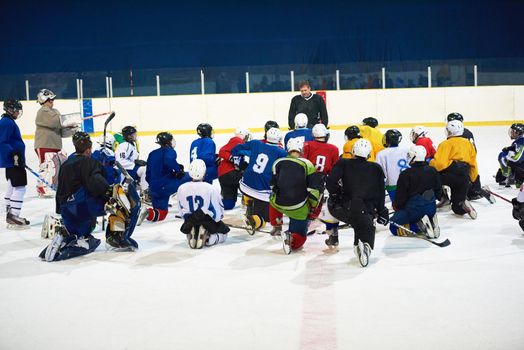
[(204, 148), (164, 176), (511, 158), (301, 130), (255, 183)]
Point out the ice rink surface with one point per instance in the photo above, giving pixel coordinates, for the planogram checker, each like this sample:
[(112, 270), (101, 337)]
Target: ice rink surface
[(246, 294)]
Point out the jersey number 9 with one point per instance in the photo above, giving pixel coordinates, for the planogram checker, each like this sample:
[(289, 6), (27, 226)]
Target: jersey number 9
[(260, 163)]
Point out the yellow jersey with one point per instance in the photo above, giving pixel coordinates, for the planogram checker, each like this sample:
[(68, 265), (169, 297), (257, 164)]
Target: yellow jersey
[(456, 149), (374, 134), (348, 149)]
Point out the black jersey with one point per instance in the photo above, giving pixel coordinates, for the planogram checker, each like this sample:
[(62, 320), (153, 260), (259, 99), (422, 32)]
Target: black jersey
[(358, 181), (314, 107), (80, 171), (416, 180), (469, 135)]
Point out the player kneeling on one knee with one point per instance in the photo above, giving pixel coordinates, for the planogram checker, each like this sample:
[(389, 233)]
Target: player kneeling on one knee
[(202, 209), (417, 189), (164, 175), (356, 190), (296, 190), (82, 195)]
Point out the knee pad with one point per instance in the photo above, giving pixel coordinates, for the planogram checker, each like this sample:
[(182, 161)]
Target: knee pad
[(247, 201), (229, 203), (297, 241)]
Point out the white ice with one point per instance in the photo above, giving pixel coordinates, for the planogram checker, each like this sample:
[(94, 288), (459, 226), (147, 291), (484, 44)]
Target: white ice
[(246, 294)]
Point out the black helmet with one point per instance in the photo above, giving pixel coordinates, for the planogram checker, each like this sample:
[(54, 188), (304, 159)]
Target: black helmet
[(270, 124), (164, 139), (455, 116), (127, 131), (516, 130), (370, 121), (392, 137), (81, 141), (352, 132), (11, 106), (204, 130)]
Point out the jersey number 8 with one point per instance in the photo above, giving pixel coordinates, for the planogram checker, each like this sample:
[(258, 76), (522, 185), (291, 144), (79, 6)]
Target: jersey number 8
[(320, 163)]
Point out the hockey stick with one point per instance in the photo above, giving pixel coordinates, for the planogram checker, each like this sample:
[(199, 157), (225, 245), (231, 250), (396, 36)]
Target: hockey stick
[(413, 234), (498, 195), (39, 177), (108, 120), (244, 228), (98, 115)]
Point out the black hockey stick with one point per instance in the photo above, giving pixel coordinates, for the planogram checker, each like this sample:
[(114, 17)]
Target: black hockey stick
[(240, 227), (108, 120), (413, 234)]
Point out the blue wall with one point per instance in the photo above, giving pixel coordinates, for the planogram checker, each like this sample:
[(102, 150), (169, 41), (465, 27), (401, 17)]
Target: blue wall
[(51, 36)]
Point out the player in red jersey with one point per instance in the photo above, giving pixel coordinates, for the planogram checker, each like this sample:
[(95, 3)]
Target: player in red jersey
[(419, 136), (322, 154), (231, 168)]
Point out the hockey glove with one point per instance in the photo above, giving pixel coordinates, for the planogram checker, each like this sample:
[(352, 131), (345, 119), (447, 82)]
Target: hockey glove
[(518, 209), (140, 162), (218, 160), (507, 149), (18, 160), (383, 216)]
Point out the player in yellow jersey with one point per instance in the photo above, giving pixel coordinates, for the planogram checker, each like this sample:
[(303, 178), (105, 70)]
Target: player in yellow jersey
[(352, 135), (456, 162)]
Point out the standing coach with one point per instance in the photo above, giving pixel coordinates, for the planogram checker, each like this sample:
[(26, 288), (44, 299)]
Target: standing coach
[(310, 104)]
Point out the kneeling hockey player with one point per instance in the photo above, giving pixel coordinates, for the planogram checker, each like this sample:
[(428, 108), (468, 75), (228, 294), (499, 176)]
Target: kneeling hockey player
[(202, 209), (352, 135), (456, 162), (356, 190), (392, 160), (106, 157), (368, 130), (297, 189), (164, 176), (82, 195), (511, 160), (12, 158), (127, 155), (231, 168), (204, 148), (419, 136), (417, 189), (301, 130)]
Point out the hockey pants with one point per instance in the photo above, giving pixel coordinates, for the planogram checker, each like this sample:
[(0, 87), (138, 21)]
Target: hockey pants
[(456, 176)]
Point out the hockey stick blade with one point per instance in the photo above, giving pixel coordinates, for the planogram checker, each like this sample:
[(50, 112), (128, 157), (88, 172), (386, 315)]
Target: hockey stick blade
[(498, 195), (240, 227), (108, 120)]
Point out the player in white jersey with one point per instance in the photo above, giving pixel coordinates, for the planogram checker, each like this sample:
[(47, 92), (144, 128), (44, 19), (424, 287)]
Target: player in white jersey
[(392, 160), (202, 209), (127, 155)]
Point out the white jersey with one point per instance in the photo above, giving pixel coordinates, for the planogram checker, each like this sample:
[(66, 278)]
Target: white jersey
[(126, 154), (200, 195), (393, 161)]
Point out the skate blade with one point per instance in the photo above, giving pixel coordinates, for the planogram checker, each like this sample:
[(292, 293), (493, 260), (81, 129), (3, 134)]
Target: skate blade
[(14, 227), (285, 242), (120, 249)]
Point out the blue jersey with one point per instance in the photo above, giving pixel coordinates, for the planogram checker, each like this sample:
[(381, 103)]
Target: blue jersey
[(204, 148), (255, 182), (161, 167), (106, 157), (10, 141), (517, 155), (305, 134)]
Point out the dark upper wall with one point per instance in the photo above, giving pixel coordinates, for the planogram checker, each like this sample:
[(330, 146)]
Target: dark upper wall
[(70, 36)]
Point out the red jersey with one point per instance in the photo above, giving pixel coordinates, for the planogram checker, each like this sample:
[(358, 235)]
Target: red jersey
[(323, 155), (225, 165), (428, 145)]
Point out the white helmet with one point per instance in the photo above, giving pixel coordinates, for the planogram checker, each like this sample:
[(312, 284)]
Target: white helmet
[(362, 148), (110, 141), (454, 128), (301, 120), (243, 133), (197, 169), (295, 144), (416, 154), (44, 95), (418, 131), (274, 135), (320, 130)]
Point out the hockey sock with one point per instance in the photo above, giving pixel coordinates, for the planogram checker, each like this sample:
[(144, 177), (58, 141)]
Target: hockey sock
[(330, 226), (229, 203), (520, 196), (17, 200), (154, 214), (275, 217), (297, 240), (216, 238), (8, 194)]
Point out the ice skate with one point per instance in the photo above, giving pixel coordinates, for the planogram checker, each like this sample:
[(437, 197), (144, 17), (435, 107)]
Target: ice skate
[(142, 217), (250, 224), (276, 231), (286, 241), (445, 202), (15, 222), (486, 193), (468, 208), (197, 237), (116, 242), (145, 197), (436, 227), (57, 243), (363, 251), (426, 227), (332, 240)]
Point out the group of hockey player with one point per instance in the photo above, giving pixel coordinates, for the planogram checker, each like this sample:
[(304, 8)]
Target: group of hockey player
[(306, 179)]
